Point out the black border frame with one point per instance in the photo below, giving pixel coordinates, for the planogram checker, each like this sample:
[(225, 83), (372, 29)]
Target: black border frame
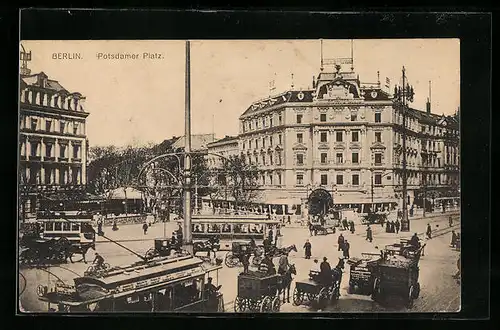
[(473, 29)]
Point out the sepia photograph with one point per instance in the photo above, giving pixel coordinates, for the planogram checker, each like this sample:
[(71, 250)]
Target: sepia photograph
[(239, 176)]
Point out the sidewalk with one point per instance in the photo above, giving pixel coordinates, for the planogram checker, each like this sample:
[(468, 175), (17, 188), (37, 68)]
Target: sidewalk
[(429, 216), (134, 232)]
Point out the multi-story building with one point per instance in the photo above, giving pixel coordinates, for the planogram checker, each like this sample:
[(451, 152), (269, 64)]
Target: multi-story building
[(53, 145), (226, 147), (344, 137)]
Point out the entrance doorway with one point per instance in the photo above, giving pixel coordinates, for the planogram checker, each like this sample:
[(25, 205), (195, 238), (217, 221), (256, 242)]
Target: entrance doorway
[(320, 202)]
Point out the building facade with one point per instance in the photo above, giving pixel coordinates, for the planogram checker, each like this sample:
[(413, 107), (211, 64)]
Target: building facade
[(53, 144), (344, 137), (227, 147)]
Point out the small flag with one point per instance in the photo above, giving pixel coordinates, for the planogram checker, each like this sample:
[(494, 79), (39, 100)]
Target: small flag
[(387, 82)]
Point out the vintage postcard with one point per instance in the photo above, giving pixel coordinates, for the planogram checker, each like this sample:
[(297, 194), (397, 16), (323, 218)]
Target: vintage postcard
[(236, 176)]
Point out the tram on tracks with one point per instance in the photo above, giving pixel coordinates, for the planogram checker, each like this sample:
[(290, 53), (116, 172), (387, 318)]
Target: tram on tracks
[(231, 229), (179, 283)]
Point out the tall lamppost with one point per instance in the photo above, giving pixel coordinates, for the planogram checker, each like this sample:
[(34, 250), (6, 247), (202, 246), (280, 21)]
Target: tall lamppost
[(188, 239), (403, 95)]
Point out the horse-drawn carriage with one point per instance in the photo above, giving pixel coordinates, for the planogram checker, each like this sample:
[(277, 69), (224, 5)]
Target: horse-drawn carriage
[(162, 248), (55, 237), (258, 292), (323, 226), (361, 273), (316, 291), (404, 248), (238, 249), (38, 250), (396, 276)]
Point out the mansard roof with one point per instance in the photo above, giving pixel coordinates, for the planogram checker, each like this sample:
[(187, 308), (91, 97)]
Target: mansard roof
[(52, 85), (291, 96)]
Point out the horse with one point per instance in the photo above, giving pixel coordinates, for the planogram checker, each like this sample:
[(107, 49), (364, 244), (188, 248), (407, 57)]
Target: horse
[(286, 282), (82, 250), (285, 250)]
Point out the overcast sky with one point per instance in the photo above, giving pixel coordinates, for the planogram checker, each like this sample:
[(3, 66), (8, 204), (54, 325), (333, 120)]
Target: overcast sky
[(142, 100)]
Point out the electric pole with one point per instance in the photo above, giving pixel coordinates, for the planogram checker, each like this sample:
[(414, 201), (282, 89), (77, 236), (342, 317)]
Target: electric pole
[(188, 239), (403, 95)]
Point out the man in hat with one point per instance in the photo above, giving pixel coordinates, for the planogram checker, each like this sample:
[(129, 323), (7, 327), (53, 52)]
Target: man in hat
[(325, 272), (245, 260), (453, 239), (340, 242), (429, 231), (345, 251), (307, 249), (397, 225), (267, 265), (283, 264), (369, 234)]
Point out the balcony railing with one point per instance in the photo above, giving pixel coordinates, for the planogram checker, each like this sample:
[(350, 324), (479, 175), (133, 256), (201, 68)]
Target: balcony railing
[(35, 158), (63, 159), (49, 159)]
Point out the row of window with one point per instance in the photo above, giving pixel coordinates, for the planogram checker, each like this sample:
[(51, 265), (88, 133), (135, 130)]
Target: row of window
[(259, 123), (339, 179), (265, 141), (267, 159), (323, 117), (34, 176), (35, 124), (268, 121), (35, 150), (339, 158)]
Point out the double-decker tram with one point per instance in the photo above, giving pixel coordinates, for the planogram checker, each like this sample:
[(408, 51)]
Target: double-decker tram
[(76, 227), (178, 283), (231, 229)]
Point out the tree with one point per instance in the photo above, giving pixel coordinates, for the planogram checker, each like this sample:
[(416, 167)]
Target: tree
[(239, 179)]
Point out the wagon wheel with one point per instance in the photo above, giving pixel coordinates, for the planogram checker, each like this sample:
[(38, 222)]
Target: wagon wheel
[(376, 289), (416, 291), (409, 302), (106, 266), (322, 298), (230, 260), (298, 297), (240, 305), (265, 305), (276, 304)]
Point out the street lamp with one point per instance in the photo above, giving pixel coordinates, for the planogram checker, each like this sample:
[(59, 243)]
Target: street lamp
[(403, 95), (125, 208)]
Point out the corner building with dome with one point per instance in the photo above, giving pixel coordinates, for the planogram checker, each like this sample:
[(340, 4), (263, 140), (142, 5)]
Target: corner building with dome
[(342, 140)]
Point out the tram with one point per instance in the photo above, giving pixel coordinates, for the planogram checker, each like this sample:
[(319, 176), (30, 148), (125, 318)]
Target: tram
[(178, 283), (74, 226), (229, 230)]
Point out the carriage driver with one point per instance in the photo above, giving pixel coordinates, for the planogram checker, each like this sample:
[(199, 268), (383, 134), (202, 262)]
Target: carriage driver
[(283, 264), (267, 265)]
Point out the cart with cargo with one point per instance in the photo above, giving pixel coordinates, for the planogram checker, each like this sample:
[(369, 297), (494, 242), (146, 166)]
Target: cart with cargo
[(258, 292)]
